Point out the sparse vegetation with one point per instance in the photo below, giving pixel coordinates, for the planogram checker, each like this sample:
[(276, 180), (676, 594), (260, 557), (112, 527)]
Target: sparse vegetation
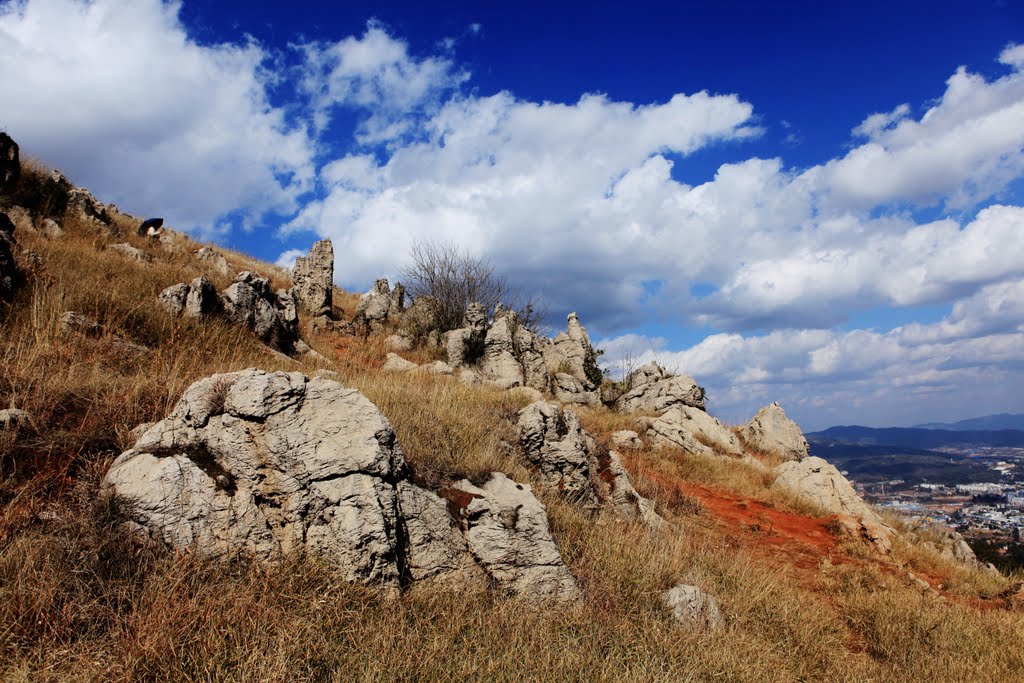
[(83, 599)]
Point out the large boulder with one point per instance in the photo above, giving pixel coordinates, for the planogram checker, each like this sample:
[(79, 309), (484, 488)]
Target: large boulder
[(499, 364), (555, 443), (667, 432), (818, 482), (379, 304), (269, 465), (651, 389), (506, 528), (313, 279), (771, 432), (704, 428), (214, 260), (10, 276), (436, 551)]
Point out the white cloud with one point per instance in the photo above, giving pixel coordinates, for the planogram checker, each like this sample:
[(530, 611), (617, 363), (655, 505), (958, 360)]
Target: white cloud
[(120, 97)]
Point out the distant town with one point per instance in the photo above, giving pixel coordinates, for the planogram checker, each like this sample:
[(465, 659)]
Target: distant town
[(990, 514)]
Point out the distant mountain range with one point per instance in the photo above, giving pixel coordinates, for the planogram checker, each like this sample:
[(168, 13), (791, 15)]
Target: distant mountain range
[(915, 453), (985, 422)]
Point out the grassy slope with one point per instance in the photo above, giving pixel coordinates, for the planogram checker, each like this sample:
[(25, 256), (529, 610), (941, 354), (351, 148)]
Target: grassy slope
[(80, 599)]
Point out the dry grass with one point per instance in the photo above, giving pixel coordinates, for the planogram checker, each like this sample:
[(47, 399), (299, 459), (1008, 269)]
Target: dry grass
[(80, 599)]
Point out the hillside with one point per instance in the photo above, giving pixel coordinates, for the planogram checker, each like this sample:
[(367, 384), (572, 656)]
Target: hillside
[(100, 353), (920, 438), (985, 422)]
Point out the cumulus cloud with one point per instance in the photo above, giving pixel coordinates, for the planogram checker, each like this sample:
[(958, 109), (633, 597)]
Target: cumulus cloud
[(118, 94)]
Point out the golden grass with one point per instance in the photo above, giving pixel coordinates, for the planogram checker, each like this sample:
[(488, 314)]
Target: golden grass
[(81, 599)]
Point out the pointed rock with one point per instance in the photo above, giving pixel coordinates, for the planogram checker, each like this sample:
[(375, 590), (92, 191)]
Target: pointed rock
[(771, 432)]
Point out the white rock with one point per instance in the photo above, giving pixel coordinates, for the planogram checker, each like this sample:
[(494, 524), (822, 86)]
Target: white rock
[(770, 431), (437, 552), (704, 428), (627, 438), (396, 363), (626, 502), (692, 608), (506, 528), (652, 389), (555, 443), (313, 279)]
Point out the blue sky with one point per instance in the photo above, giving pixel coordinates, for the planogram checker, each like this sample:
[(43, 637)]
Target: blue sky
[(816, 203)]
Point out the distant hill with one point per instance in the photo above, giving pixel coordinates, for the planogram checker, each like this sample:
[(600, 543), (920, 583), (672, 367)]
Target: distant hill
[(883, 463), (985, 422), (915, 437)]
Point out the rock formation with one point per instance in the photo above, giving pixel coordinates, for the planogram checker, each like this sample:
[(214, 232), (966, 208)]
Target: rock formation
[(569, 461), (771, 432), (214, 260), (506, 528), (820, 483), (277, 465), (249, 302), (692, 608), (313, 279), (10, 163), (651, 389), (130, 252), (379, 304), (704, 428)]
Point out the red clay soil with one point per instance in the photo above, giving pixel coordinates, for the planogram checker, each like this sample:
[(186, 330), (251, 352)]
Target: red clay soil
[(795, 539)]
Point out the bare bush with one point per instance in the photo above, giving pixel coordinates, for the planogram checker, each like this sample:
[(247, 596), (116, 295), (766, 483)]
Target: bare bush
[(450, 279)]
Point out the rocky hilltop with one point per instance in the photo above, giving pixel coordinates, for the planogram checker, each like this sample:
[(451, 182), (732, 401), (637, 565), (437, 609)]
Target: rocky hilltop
[(200, 448)]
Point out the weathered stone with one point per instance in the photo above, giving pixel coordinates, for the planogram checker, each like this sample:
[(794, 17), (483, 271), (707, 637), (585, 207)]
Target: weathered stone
[(669, 433), (771, 432), (692, 608), (436, 551), (506, 528), (173, 298), (313, 279), (652, 389), (438, 367), (555, 443), (626, 503), (705, 429), (571, 352), (51, 229), (10, 163), (627, 438), (214, 260), (467, 376), (375, 305), (131, 252), (568, 389), (77, 323), (499, 365), (270, 465), (14, 418), (201, 299), (396, 363), (820, 483)]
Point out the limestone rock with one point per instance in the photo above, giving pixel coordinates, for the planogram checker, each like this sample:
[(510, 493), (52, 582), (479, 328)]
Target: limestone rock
[(626, 438), (770, 431), (214, 260), (200, 299), (704, 428), (568, 389), (173, 298), (396, 363), (625, 501), (571, 352), (555, 443), (669, 433), (692, 608), (499, 365), (270, 465), (377, 305), (820, 483), (506, 528), (10, 163), (438, 367), (131, 252), (436, 550), (14, 418), (313, 279), (469, 377), (652, 389), (51, 229)]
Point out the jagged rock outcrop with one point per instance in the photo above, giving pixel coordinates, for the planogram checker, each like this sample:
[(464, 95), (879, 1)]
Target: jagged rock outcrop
[(499, 365), (277, 465), (10, 275), (626, 438), (555, 443), (820, 483), (313, 279), (624, 499), (214, 260), (466, 344), (506, 528), (571, 353), (270, 465), (379, 304), (671, 433), (570, 462), (651, 388), (249, 302), (704, 428), (771, 432), (10, 163), (692, 608)]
